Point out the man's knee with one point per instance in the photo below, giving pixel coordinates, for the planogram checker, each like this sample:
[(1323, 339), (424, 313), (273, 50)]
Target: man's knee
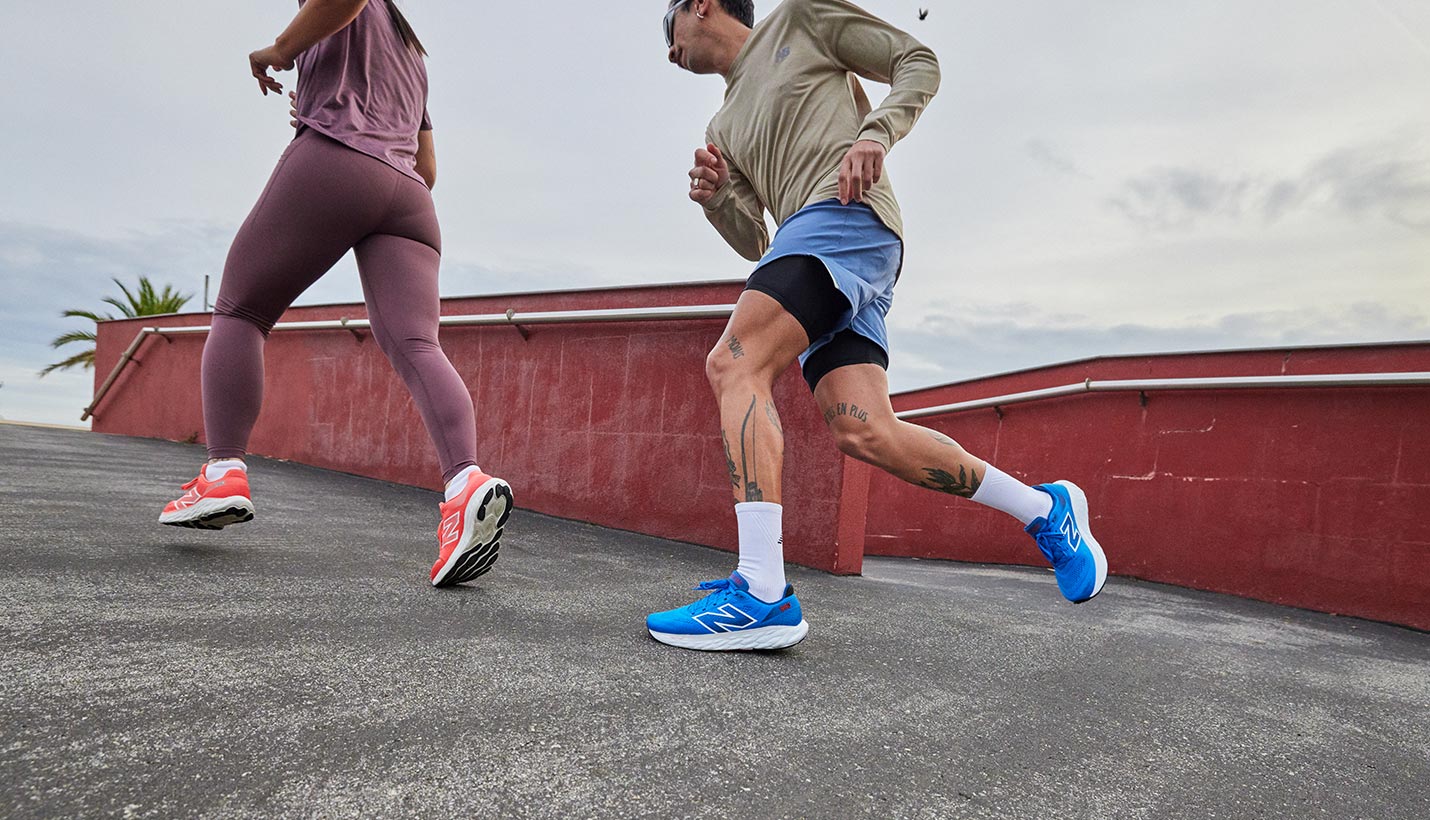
[(723, 365), (863, 440)]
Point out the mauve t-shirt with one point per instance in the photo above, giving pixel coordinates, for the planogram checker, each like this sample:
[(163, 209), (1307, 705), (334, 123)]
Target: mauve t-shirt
[(366, 89)]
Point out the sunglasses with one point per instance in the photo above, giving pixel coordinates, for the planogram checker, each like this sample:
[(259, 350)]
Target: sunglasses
[(670, 22)]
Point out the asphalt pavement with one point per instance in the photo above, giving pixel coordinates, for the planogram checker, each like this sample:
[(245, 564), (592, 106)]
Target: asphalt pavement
[(300, 665)]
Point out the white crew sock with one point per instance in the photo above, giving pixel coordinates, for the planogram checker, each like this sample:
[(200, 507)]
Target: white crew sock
[(1004, 492), (216, 470), (459, 482), (762, 549)]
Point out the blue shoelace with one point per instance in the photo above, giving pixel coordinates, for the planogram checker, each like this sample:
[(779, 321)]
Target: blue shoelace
[(1053, 545), (722, 587)]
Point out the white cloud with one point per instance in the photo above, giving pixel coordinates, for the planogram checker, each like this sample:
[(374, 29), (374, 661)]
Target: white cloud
[(997, 338), (1278, 181), (1387, 180)]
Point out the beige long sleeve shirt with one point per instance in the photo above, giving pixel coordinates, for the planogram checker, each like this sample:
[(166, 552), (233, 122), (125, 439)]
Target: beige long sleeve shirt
[(793, 109)]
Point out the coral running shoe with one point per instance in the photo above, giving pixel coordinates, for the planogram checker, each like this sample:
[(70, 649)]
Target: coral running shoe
[(211, 505), (1066, 541), (471, 528), (731, 618)]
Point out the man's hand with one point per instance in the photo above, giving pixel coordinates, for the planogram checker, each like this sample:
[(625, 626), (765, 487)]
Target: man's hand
[(293, 108), (709, 174), (862, 167), (263, 59)]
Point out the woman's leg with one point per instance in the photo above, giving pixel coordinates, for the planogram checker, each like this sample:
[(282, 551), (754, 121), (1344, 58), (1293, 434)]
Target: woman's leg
[(321, 199), (399, 280)]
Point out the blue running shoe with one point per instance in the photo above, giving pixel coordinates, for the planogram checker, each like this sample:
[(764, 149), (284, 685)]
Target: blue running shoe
[(731, 618), (1066, 540)]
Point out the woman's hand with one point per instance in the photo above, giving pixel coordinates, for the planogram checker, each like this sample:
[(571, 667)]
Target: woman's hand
[(262, 60)]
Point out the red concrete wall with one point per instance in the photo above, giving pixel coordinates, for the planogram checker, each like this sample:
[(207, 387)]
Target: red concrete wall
[(608, 423), (1317, 498)]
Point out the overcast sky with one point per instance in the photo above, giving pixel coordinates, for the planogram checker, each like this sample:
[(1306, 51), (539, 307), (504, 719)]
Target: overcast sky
[(1093, 178)]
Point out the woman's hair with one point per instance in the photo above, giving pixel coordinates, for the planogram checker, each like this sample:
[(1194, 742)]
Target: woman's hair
[(404, 28)]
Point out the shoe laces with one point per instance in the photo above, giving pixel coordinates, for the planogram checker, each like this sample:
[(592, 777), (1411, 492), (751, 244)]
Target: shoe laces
[(719, 590), (1053, 544)]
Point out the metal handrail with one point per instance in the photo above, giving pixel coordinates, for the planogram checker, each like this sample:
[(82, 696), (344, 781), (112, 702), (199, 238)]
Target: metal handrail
[(1144, 385), (510, 318)]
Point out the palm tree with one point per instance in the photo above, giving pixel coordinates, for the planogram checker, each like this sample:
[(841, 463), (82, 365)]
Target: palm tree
[(148, 302)]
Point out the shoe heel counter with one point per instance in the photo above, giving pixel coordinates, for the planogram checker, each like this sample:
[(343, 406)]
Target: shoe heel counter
[(237, 480), (789, 611)]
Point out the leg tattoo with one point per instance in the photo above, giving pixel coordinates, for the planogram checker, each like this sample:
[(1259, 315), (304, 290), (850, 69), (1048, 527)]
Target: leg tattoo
[(853, 411), (965, 485), (752, 486), (774, 418), (942, 439), (730, 461)]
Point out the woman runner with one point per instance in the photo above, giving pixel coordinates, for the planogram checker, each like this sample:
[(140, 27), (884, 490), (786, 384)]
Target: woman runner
[(357, 176)]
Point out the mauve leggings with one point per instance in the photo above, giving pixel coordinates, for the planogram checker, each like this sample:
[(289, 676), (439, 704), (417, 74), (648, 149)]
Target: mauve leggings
[(323, 199)]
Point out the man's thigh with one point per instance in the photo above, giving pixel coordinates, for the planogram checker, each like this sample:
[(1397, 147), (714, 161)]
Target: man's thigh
[(855, 393)]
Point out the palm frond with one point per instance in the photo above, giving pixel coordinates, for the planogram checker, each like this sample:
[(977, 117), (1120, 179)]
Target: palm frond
[(147, 301), (84, 359), (86, 314), (123, 308), (132, 303), (74, 336)]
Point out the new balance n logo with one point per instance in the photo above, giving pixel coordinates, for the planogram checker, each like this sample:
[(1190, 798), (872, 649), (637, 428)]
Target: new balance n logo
[(1070, 531), (727, 618), (451, 528)]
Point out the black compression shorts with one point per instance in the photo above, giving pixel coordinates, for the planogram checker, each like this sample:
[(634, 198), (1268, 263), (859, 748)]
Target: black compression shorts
[(804, 288)]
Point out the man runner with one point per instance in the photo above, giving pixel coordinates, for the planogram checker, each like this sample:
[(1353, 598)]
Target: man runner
[(796, 137)]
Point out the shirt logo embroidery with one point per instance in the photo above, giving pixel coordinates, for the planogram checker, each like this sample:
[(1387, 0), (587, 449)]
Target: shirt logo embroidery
[(783, 53)]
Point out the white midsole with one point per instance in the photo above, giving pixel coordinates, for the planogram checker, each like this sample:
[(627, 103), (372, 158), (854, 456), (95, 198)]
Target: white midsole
[(205, 507), (765, 637), (1079, 502)]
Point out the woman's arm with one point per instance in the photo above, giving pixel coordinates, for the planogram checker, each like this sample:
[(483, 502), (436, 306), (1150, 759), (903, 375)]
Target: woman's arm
[(316, 20), (426, 158)]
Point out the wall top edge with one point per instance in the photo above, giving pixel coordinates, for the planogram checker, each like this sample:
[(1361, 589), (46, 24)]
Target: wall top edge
[(1166, 354), (511, 294)]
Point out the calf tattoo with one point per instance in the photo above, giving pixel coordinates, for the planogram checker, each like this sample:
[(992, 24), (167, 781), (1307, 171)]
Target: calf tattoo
[(965, 485), (853, 411), (942, 439), (774, 418), (736, 349), (730, 461), (748, 456)]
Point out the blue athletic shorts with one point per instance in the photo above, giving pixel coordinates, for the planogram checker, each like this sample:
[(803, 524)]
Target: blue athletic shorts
[(862, 256)]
